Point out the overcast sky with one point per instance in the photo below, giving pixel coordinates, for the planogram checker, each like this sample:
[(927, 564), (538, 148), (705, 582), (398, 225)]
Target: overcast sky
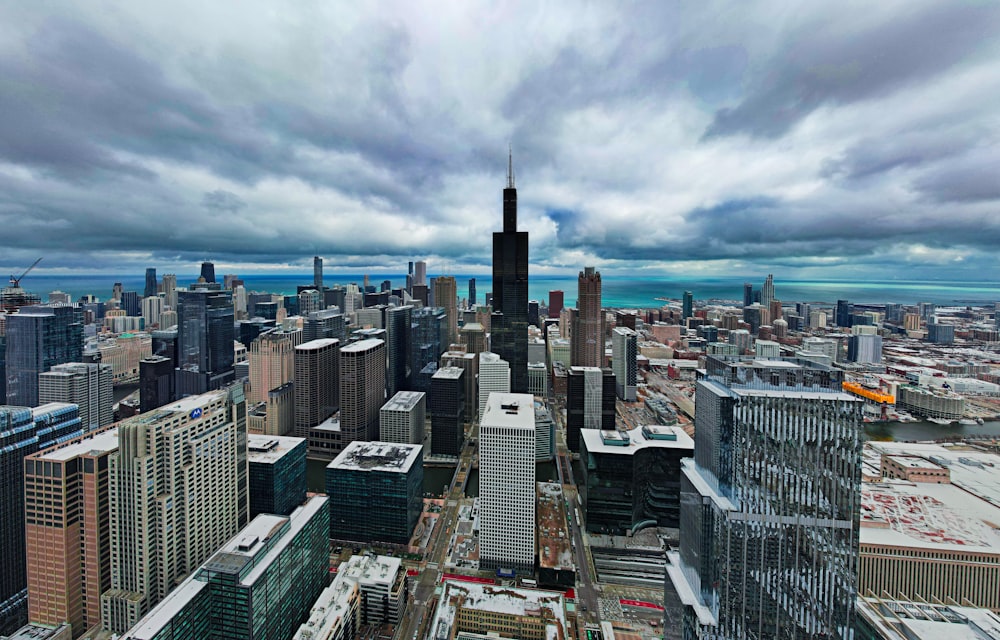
[(808, 139)]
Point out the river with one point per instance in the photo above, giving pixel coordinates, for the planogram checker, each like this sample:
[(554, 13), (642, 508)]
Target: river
[(919, 431)]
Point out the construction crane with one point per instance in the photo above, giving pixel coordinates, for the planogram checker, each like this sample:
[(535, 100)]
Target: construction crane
[(16, 282)]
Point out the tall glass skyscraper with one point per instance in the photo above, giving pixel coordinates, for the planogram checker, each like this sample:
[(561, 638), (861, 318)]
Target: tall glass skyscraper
[(770, 503), (150, 289), (39, 337), (509, 324), (205, 334)]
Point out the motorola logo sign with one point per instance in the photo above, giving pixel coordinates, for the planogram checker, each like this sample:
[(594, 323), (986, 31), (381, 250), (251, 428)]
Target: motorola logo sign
[(196, 413)]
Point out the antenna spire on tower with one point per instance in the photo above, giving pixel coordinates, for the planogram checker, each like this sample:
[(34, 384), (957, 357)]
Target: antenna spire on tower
[(510, 167)]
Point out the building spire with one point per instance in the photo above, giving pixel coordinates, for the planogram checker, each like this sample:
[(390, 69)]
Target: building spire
[(510, 167)]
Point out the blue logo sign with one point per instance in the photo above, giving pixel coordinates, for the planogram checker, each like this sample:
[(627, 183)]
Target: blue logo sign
[(196, 413)]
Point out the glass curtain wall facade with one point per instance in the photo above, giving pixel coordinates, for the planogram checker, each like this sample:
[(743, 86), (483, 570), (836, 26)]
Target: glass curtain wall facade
[(770, 505)]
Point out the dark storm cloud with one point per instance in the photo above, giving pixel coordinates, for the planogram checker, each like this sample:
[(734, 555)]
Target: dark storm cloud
[(642, 135), (820, 64)]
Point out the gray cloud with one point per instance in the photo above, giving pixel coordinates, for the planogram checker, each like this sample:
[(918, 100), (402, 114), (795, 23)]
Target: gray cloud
[(645, 135)]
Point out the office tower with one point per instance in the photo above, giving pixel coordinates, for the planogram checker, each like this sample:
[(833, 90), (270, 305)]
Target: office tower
[(208, 271), (555, 303), (687, 307), (770, 504), (164, 343), (445, 296), (116, 292), (590, 402), (754, 316), (747, 294), (509, 322), (471, 302), (178, 488), (275, 414), (318, 272), (152, 307), (38, 338), (317, 385), (420, 274), (533, 313), (767, 349), (328, 323), (632, 477), (67, 530), (150, 290), (310, 300), (588, 329), (474, 338), (507, 483), (545, 433), (362, 389), (494, 377), (398, 321), (469, 363), (402, 418), (926, 310), (272, 364), (240, 302), (23, 431), (3, 361), (428, 340), (276, 472), (843, 313), (260, 584), (865, 348), (817, 319), (205, 334), (291, 306), (156, 383), (767, 292), (230, 280), (775, 310), (446, 404), (86, 385), (824, 346), (376, 492), (940, 333), (624, 351), (170, 290), (421, 293)]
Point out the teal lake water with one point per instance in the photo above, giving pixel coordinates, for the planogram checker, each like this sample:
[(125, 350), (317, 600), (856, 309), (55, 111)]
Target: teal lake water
[(618, 291)]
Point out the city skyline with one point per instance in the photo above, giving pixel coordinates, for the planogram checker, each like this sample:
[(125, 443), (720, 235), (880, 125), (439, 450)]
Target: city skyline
[(813, 141)]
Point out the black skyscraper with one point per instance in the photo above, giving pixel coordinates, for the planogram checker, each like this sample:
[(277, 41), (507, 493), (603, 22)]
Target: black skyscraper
[(472, 293), (150, 290), (509, 324), (208, 271)]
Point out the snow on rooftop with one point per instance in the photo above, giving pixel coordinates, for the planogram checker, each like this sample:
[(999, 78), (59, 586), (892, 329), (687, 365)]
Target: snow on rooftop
[(96, 442), (515, 410), (403, 400), (929, 516), (629, 442), (269, 449), (502, 600), (377, 456)]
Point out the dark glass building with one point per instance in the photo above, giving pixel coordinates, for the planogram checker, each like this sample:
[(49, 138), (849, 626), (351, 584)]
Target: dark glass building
[(632, 479), (376, 492), (770, 504), (590, 402), (208, 271), (156, 383), (23, 431), (277, 474), (39, 337), (428, 340), (328, 323), (446, 404), (397, 322), (509, 322), (150, 289), (205, 334)]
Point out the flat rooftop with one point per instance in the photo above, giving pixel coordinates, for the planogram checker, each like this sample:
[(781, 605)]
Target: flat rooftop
[(269, 449), (318, 343), (554, 547), (937, 517), (509, 600), (94, 443), (377, 456), (451, 373), (913, 462), (404, 400), (643, 437), (515, 410), (975, 471), (362, 345)]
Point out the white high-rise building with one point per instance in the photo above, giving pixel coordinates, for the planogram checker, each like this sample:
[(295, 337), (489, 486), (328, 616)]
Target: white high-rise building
[(624, 351), (85, 384), (177, 490), (507, 482), (767, 349), (402, 418), (420, 273), (152, 307), (494, 376), (169, 287), (240, 302)]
